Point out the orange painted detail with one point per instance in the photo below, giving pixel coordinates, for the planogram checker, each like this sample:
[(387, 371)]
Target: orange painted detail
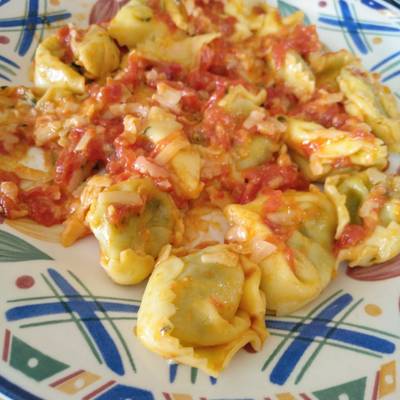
[(373, 310), (387, 379)]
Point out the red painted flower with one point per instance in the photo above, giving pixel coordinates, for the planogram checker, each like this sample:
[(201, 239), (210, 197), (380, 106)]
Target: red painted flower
[(104, 10), (379, 272)]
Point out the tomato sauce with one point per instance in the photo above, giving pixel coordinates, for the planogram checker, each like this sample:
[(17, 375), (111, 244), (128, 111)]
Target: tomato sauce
[(64, 36), (45, 205), (351, 236), (303, 39), (271, 176)]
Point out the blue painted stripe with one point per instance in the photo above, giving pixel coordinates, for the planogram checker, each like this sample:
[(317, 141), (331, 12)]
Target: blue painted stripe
[(8, 61), (38, 310), (362, 25), (173, 369), (5, 78), (29, 30), (15, 392), (292, 355), (354, 338), (119, 392), (373, 4), (352, 27), (385, 60), (104, 341), (319, 327), (18, 22), (391, 76)]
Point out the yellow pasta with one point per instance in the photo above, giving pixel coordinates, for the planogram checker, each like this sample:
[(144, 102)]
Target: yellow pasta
[(202, 308), (192, 140)]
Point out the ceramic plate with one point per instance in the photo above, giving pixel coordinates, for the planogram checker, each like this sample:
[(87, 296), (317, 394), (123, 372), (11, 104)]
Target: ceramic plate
[(66, 331)]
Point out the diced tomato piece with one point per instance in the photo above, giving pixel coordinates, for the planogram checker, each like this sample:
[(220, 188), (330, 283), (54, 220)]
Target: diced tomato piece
[(191, 103), (274, 201), (118, 213), (326, 114), (126, 153), (271, 176), (213, 57), (303, 39), (351, 236), (227, 25), (6, 176), (134, 73), (94, 150), (172, 71), (114, 127), (218, 126), (308, 148), (67, 163), (64, 36), (3, 149), (7, 206), (280, 100), (44, 205), (111, 93)]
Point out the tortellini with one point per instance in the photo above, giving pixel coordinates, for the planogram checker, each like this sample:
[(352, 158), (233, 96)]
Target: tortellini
[(250, 22), (320, 151), (184, 50), (136, 26), (96, 52), (373, 103), (291, 243), (133, 220), (368, 208), (247, 21), (297, 75), (175, 151), (328, 65), (51, 71), (255, 151), (239, 101), (135, 23), (200, 309), (177, 11)]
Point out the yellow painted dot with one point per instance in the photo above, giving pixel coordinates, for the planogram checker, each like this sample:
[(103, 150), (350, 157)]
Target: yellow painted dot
[(80, 16), (373, 310), (55, 2), (377, 40)]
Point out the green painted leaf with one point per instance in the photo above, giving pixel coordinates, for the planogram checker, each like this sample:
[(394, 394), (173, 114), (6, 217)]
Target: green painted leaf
[(355, 390), (287, 9), (13, 249), (32, 362)]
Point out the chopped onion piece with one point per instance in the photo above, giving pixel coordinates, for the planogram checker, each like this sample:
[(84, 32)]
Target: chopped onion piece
[(130, 124), (237, 234), (10, 189), (170, 150), (120, 197), (261, 249), (225, 258), (255, 117), (146, 167), (35, 159), (167, 96), (84, 141), (375, 176)]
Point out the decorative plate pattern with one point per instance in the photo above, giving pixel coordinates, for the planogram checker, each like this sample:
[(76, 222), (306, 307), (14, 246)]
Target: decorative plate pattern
[(67, 332)]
